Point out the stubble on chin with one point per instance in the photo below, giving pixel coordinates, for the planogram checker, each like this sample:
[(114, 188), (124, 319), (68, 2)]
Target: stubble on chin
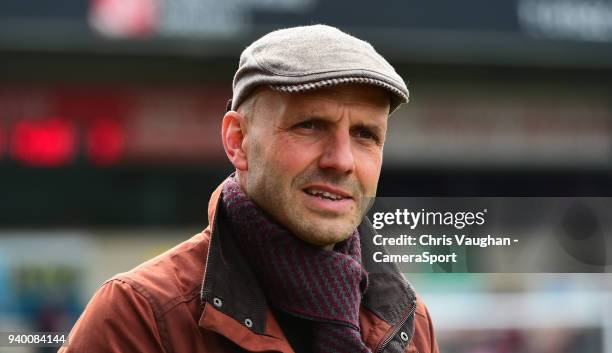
[(282, 201), (319, 229)]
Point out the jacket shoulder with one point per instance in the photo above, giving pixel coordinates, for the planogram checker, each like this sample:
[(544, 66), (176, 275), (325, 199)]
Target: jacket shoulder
[(126, 313), (172, 277), (117, 319)]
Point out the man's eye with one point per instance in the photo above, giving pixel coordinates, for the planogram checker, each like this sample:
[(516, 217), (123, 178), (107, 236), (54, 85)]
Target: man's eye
[(309, 125), (366, 134)]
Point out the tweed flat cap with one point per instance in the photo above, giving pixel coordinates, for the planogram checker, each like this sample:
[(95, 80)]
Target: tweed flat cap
[(306, 58)]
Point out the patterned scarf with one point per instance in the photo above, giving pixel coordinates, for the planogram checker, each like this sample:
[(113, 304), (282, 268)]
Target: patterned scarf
[(301, 279)]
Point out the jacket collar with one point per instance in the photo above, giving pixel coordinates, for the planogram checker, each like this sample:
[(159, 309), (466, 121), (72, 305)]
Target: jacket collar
[(230, 285)]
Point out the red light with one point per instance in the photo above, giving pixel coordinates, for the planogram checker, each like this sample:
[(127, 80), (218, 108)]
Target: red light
[(104, 142), (44, 143)]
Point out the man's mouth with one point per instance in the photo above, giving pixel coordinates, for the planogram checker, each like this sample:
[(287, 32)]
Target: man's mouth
[(324, 194)]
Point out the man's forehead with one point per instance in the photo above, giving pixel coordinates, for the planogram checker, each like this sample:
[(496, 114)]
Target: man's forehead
[(364, 96)]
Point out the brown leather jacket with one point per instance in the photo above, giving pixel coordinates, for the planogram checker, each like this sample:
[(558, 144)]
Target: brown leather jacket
[(201, 296)]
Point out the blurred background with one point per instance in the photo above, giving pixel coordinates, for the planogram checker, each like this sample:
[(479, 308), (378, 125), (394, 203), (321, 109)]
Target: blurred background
[(110, 116)]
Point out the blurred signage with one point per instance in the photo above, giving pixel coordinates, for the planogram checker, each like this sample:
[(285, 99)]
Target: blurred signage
[(59, 126), (444, 30), (581, 20), (481, 128), (54, 127), (211, 18), (46, 142), (179, 126), (182, 18), (123, 18), (105, 141)]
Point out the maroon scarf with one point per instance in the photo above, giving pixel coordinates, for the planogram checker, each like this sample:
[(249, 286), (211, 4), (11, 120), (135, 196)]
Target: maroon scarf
[(301, 279)]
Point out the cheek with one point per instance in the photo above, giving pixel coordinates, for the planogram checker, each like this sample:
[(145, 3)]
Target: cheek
[(292, 155)]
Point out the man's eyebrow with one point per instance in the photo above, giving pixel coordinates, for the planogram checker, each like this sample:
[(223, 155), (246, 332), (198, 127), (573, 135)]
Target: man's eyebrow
[(306, 116), (323, 118)]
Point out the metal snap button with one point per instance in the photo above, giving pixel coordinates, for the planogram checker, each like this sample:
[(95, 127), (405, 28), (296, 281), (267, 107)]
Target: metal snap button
[(248, 323), (404, 336), (217, 302)]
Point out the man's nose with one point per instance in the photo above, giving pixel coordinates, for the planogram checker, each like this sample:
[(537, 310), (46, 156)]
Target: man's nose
[(338, 153)]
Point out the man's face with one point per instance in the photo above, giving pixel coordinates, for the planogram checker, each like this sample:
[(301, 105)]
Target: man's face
[(314, 158)]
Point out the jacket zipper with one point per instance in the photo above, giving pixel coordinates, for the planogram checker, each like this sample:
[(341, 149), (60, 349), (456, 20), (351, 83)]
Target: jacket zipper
[(396, 329)]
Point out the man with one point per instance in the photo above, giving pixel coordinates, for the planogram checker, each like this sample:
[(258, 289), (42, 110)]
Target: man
[(285, 264)]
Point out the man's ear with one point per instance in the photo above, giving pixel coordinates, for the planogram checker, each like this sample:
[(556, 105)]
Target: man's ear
[(233, 133)]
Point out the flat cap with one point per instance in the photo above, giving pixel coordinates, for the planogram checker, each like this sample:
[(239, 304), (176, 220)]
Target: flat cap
[(310, 57)]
